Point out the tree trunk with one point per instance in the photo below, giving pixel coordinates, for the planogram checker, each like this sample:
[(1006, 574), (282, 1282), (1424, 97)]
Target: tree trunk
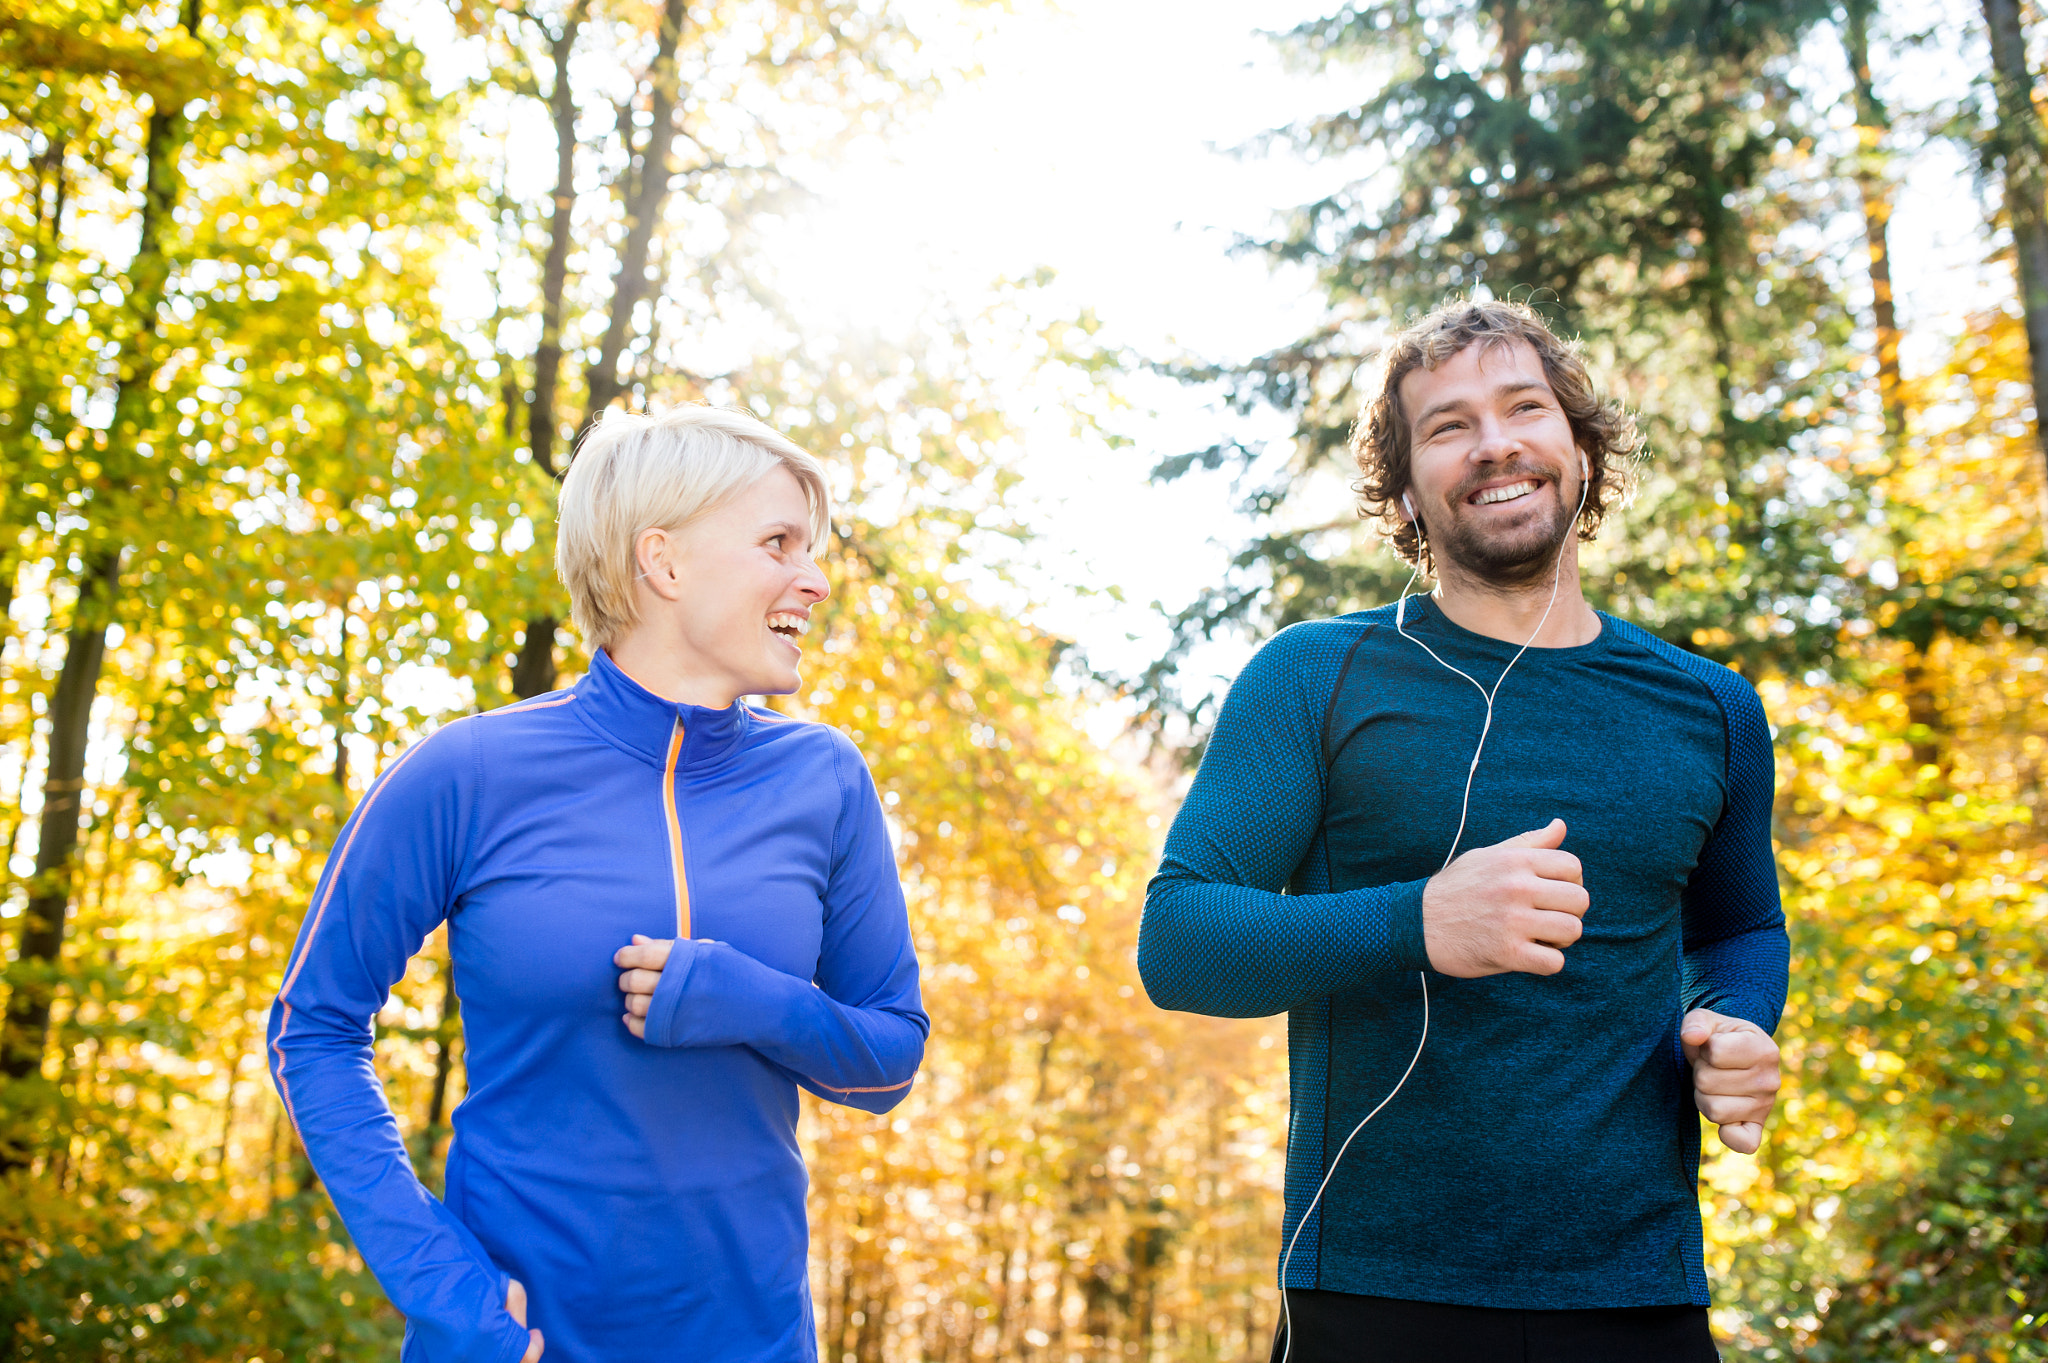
[(2018, 143), (533, 669), (646, 195), (25, 1031), (446, 1033), (646, 188), (341, 680), (554, 278), (42, 928), (1873, 186), (1927, 724)]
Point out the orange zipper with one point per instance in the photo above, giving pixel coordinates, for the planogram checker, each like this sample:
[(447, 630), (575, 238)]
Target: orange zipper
[(675, 831)]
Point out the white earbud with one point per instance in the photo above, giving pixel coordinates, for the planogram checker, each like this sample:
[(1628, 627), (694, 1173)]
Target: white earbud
[(1585, 468), (1409, 507)]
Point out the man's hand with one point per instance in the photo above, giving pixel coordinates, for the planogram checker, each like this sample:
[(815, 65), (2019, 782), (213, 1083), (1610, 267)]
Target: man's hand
[(1734, 1075), (515, 1302), (1513, 906), (642, 962)]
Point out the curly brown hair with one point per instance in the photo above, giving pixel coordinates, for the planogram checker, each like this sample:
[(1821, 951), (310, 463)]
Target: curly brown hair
[(1382, 443)]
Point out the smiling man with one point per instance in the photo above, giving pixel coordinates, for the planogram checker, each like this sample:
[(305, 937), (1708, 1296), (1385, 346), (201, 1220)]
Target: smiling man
[(1505, 861)]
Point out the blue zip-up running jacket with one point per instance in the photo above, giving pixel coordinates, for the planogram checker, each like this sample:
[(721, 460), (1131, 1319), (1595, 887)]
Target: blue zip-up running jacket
[(648, 1194), (1544, 1153)]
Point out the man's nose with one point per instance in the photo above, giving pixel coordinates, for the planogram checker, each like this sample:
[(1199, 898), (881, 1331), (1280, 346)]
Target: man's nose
[(1496, 442)]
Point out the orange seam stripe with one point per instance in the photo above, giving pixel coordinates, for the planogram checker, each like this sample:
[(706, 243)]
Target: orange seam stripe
[(522, 706), (320, 911), (675, 832), (886, 1088), (319, 914)]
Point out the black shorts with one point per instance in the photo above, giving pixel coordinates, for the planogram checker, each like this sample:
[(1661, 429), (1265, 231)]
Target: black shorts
[(1340, 1327)]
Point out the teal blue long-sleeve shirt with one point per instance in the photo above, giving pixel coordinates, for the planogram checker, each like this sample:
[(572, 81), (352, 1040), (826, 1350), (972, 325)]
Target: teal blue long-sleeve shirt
[(1544, 1154)]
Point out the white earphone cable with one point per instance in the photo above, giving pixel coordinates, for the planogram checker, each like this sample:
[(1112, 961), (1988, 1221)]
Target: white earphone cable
[(1464, 813)]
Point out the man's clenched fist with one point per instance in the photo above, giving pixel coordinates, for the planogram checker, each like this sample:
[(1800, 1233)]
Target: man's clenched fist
[(1513, 906), (1734, 1075)]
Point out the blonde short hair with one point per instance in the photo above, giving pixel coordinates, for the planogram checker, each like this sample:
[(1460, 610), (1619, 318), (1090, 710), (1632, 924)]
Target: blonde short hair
[(660, 471)]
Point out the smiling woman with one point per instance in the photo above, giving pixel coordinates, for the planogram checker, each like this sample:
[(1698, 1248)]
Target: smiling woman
[(628, 1175), (638, 482)]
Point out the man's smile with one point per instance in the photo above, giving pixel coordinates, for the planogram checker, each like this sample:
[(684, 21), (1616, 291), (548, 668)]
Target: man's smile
[(1506, 492)]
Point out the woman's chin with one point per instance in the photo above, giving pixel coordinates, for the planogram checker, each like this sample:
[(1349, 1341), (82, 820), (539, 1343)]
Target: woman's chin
[(780, 681)]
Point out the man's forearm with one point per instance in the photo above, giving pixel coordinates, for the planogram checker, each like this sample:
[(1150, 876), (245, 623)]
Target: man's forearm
[(1742, 976), (1232, 951)]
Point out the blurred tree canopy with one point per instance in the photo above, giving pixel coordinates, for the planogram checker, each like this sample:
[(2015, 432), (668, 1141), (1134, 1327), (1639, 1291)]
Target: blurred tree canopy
[(278, 499)]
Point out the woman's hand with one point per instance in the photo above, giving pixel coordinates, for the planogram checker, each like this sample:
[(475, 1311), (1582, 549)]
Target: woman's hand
[(515, 1302), (642, 962)]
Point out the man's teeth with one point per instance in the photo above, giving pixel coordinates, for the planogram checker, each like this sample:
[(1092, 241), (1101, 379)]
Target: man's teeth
[(1505, 494), (789, 622)]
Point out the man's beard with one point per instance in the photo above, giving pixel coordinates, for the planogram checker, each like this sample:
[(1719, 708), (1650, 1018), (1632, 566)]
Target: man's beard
[(1509, 558)]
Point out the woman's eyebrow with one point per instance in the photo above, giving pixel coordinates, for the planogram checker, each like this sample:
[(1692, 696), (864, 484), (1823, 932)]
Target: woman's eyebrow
[(774, 528)]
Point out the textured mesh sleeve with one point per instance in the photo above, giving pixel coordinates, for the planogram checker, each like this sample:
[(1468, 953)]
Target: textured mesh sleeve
[(1737, 956), (1219, 935)]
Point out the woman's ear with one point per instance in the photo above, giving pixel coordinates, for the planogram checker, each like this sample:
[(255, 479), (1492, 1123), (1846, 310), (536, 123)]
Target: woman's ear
[(654, 562)]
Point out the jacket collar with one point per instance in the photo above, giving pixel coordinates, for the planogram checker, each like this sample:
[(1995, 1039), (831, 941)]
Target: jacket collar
[(643, 723)]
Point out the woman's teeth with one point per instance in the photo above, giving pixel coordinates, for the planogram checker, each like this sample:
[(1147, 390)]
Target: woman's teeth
[(1505, 494), (789, 623)]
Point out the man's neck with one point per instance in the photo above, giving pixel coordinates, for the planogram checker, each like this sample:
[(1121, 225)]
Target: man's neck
[(1514, 612)]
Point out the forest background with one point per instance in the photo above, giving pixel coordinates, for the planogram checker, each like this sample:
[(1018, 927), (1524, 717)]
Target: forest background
[(298, 332)]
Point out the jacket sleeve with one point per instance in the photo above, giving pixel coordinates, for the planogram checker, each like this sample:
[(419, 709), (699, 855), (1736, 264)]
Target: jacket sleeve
[(856, 1033), (1736, 954), (388, 882), (1219, 936)]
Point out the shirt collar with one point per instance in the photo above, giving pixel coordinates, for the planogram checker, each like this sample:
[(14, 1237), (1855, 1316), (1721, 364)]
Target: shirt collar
[(643, 723)]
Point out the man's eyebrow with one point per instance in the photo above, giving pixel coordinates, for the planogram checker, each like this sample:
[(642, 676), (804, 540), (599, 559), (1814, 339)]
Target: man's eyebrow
[(1507, 389)]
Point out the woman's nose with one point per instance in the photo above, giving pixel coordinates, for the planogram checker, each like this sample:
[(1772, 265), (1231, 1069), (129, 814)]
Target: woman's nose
[(812, 583)]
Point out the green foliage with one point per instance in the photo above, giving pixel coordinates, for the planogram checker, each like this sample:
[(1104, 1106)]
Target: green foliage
[(273, 1289), (1959, 1259)]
